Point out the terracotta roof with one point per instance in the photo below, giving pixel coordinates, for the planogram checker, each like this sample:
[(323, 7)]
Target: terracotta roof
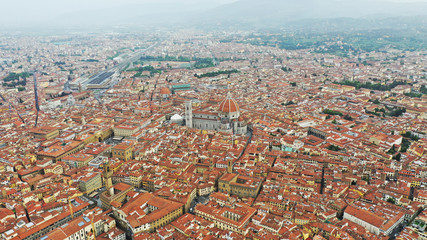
[(165, 90), (228, 105), (366, 216)]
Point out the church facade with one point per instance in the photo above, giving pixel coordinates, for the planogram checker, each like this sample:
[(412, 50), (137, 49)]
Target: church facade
[(227, 119)]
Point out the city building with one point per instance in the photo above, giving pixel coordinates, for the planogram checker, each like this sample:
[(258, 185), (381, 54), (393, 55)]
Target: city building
[(242, 186), (83, 227), (373, 222), (77, 160), (90, 182), (233, 218), (116, 193), (122, 151), (226, 119), (45, 132), (60, 149), (146, 213)]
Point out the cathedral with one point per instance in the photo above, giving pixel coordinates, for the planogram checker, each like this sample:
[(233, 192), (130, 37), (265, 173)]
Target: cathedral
[(227, 119)]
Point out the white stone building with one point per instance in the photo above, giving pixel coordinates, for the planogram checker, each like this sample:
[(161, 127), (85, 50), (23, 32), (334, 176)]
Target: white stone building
[(226, 119)]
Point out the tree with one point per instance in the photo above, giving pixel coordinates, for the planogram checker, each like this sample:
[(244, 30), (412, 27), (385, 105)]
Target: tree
[(334, 148), (410, 135), (398, 156), (405, 145), (366, 178), (286, 69), (348, 117), (289, 103), (392, 150), (391, 200), (397, 112), (332, 112), (214, 74)]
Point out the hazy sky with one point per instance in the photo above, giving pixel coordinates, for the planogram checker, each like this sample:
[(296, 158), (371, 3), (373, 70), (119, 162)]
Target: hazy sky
[(30, 12), (27, 11)]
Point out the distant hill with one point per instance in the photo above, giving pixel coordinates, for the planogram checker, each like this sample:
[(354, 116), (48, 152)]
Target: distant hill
[(279, 13), (324, 15)]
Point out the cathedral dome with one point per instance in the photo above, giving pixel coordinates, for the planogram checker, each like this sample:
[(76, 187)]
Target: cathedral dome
[(229, 105), (165, 90)]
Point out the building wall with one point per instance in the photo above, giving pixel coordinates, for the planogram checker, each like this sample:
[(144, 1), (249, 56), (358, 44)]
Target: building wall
[(317, 133), (213, 122), (122, 132), (91, 185), (244, 191), (119, 197), (241, 191), (121, 154), (148, 227), (193, 195), (78, 164), (362, 223), (135, 181), (59, 157), (49, 135), (205, 124), (220, 224), (206, 191), (165, 220)]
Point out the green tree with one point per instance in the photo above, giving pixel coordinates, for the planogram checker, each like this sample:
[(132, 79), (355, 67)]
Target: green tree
[(405, 145), (332, 112), (289, 103), (334, 148), (398, 157), (391, 200), (348, 117)]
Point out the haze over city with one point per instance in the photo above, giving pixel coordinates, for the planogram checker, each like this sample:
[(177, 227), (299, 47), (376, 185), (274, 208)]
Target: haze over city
[(50, 13), (213, 119)]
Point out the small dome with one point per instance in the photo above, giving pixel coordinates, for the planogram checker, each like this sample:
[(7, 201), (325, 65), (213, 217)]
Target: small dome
[(165, 90), (229, 105), (176, 117)]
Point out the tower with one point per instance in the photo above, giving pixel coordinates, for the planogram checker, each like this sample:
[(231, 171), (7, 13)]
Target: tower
[(230, 166), (107, 178), (189, 114)]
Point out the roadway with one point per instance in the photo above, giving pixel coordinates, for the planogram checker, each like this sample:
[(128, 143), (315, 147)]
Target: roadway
[(103, 75), (249, 134)]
